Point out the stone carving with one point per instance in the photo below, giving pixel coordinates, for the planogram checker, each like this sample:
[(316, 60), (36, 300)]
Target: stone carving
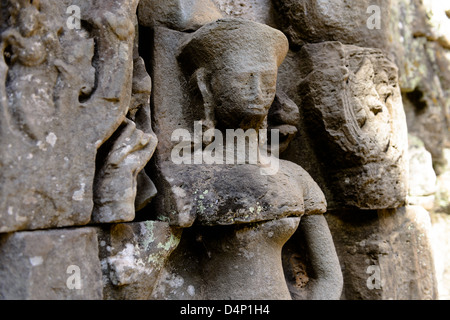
[(373, 184), (224, 76), (256, 10), (236, 211), (64, 93), (229, 262), (310, 262), (121, 186), (352, 108), (132, 257), (243, 262), (310, 21), (182, 15), (228, 55)]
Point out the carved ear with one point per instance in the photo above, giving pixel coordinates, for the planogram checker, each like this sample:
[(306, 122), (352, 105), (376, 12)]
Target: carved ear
[(203, 86), (205, 91), (283, 110)]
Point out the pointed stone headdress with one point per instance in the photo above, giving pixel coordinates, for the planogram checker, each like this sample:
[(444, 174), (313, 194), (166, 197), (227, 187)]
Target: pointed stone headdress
[(220, 43)]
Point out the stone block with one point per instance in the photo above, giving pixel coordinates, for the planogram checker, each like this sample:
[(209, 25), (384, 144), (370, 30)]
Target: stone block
[(385, 254), (132, 257), (50, 265)]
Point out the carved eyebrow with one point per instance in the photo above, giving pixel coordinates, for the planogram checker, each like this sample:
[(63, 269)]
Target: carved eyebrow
[(265, 76)]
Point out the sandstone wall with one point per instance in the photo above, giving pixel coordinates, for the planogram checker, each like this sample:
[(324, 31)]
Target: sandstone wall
[(94, 206)]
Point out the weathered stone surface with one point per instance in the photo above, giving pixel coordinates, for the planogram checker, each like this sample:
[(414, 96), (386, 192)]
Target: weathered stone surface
[(182, 15), (412, 37), (437, 11), (116, 181), (231, 68), (441, 248), (442, 203), (243, 262), (423, 73), (79, 110), (422, 180), (121, 186), (283, 116), (310, 21), (229, 262), (224, 77), (50, 265), (211, 196), (310, 262), (132, 257), (352, 114), (408, 36), (412, 34), (385, 254), (64, 92), (254, 10), (426, 103)]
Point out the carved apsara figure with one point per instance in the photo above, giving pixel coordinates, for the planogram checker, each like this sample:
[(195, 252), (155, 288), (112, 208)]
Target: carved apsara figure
[(230, 69)]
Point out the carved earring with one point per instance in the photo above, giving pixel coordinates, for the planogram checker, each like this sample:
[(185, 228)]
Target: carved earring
[(207, 98)]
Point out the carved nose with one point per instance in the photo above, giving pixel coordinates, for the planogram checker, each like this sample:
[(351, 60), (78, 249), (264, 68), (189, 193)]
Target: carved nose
[(255, 92), (374, 103)]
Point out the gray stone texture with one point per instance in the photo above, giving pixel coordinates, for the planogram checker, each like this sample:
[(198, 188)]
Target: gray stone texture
[(353, 121), (222, 53), (214, 79), (385, 254), (181, 15), (132, 257), (228, 262), (311, 264), (255, 10), (65, 92), (441, 248), (310, 21), (100, 100), (50, 265), (413, 36), (121, 185), (423, 181)]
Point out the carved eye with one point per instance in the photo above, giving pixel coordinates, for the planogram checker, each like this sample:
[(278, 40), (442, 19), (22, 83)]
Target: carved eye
[(8, 54), (388, 95), (361, 120)]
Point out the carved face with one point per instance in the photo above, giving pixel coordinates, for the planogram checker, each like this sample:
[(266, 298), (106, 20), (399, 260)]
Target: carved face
[(243, 92), (85, 60), (369, 94), (235, 62), (29, 21), (353, 113), (81, 54)]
